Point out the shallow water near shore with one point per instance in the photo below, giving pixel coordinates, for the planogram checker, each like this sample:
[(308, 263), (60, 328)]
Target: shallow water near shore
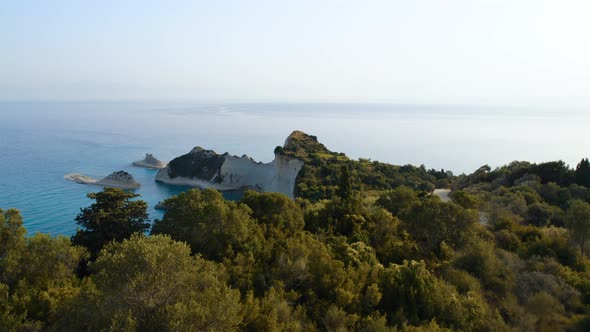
[(41, 142)]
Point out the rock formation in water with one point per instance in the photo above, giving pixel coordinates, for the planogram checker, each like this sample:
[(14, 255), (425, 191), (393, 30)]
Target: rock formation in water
[(207, 169), (150, 162), (120, 179)]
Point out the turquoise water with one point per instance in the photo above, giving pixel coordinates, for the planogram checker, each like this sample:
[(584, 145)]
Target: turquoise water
[(41, 142)]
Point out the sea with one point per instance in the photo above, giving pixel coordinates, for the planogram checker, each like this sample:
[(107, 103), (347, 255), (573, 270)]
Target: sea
[(40, 142)]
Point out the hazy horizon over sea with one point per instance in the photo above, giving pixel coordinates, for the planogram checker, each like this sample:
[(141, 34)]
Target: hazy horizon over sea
[(42, 141)]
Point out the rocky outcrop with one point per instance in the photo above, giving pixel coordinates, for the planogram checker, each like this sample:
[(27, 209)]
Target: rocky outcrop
[(302, 144), (150, 162), (207, 169), (120, 179)]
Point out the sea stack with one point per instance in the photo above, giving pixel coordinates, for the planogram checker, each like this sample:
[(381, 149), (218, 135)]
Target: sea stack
[(207, 169), (120, 179), (150, 162)]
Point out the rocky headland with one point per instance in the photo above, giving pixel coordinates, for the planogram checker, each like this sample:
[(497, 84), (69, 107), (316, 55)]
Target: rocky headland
[(150, 162), (207, 169), (120, 179)]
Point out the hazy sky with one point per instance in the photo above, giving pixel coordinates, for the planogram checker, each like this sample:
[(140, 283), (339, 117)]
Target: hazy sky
[(414, 51)]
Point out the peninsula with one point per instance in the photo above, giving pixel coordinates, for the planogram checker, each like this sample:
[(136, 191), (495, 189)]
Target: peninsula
[(207, 169)]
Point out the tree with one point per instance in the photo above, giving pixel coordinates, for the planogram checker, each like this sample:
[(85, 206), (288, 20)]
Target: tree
[(578, 222), (345, 184), (209, 224), (398, 200), (465, 199), (37, 275), (12, 242), (413, 295), (582, 173), (548, 311), (114, 216), (273, 312), (539, 214), (391, 243), (154, 284), (554, 171), (46, 277), (10, 320), (275, 210), (434, 225), (481, 260)]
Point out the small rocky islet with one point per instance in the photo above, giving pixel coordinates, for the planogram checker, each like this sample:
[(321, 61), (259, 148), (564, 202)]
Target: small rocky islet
[(119, 179), (150, 162)]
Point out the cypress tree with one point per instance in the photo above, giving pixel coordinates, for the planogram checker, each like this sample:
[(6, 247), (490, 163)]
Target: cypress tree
[(583, 173), (345, 185)]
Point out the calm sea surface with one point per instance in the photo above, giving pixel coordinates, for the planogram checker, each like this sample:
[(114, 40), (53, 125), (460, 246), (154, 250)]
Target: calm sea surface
[(40, 142)]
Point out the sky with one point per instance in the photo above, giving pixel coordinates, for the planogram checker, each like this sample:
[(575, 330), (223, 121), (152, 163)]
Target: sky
[(531, 52)]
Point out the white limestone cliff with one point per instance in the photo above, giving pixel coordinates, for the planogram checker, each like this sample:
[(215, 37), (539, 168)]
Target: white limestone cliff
[(207, 169)]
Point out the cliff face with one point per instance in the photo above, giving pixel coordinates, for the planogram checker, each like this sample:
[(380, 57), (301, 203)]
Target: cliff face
[(207, 169), (198, 163)]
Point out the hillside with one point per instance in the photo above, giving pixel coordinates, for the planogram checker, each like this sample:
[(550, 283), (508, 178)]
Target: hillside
[(318, 179)]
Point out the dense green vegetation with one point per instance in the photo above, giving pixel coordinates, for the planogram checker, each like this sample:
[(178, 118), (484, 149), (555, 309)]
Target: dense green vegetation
[(320, 174), (508, 253)]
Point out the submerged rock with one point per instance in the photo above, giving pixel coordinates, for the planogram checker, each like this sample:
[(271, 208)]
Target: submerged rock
[(208, 169), (150, 162), (120, 179)]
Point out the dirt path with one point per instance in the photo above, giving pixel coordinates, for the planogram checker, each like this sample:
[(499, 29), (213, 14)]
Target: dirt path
[(443, 194)]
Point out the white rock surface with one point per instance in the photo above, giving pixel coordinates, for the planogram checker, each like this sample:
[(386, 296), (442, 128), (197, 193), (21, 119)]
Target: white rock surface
[(242, 173), (443, 194)]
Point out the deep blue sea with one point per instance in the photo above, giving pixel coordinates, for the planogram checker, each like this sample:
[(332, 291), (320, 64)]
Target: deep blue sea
[(42, 141)]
